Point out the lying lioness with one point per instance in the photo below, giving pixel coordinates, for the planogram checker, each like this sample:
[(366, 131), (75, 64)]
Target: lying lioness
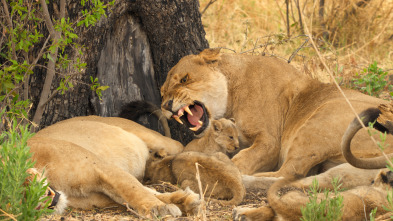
[(286, 198), (366, 189), (97, 162)]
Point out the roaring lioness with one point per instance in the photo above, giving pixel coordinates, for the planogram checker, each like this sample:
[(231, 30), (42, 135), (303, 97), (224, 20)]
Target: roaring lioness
[(99, 161), (290, 122)]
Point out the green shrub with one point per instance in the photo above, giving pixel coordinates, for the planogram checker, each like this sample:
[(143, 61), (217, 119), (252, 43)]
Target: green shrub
[(328, 208), (373, 80), (16, 200)]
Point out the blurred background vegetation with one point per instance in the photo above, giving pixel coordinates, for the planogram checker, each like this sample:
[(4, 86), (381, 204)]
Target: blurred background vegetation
[(352, 35)]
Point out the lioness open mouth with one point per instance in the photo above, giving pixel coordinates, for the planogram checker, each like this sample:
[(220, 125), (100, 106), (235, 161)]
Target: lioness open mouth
[(194, 116)]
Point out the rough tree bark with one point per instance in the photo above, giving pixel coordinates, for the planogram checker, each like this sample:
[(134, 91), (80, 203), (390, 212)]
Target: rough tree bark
[(131, 51)]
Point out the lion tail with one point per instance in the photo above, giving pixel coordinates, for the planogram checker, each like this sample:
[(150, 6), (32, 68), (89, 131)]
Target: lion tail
[(286, 207), (135, 109), (238, 192), (367, 116)]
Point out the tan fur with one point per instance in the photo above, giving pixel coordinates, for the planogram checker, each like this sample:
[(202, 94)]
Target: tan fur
[(290, 122), (97, 162), (359, 200), (218, 174), (154, 140), (221, 137)]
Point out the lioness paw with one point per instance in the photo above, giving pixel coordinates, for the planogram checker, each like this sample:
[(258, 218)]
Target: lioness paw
[(188, 201), (191, 202), (165, 210), (248, 214), (239, 214)]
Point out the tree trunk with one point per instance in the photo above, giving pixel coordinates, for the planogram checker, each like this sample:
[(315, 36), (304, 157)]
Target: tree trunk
[(131, 50)]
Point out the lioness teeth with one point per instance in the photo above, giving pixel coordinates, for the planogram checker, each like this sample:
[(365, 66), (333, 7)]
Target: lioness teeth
[(187, 109), (177, 119), (180, 112), (200, 122), (194, 128)]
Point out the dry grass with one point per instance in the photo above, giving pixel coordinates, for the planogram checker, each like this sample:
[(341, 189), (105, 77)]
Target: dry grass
[(213, 210), (356, 36)]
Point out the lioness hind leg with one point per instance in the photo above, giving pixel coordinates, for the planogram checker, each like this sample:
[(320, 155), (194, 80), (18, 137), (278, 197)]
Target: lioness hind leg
[(125, 188)]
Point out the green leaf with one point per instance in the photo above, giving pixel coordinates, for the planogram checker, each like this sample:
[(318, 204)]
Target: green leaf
[(50, 57), (8, 85), (102, 88)]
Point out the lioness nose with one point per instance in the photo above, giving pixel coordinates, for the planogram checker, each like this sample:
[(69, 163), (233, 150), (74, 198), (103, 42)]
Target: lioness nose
[(168, 105)]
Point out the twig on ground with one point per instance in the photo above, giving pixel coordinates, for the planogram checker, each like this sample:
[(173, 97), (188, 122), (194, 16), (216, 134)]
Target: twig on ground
[(297, 50), (133, 212), (7, 214), (203, 204), (227, 49)]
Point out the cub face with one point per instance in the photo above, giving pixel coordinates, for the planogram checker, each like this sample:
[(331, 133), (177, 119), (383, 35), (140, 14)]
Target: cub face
[(195, 91), (226, 134)]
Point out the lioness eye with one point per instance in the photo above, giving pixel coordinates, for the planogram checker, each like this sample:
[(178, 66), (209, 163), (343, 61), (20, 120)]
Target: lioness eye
[(184, 79), (230, 137)]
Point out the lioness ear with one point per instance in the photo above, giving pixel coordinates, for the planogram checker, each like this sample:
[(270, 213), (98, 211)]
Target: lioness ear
[(217, 125), (211, 55)]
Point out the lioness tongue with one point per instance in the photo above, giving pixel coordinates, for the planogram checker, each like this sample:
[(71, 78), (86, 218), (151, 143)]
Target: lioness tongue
[(197, 112)]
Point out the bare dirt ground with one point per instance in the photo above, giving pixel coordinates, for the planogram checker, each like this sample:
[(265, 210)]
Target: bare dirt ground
[(214, 211)]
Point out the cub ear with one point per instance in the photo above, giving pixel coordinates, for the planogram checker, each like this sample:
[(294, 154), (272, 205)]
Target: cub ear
[(160, 154), (217, 125), (211, 55)]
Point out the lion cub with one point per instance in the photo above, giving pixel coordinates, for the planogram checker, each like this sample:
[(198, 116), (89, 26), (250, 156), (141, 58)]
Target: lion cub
[(222, 136), (218, 174)]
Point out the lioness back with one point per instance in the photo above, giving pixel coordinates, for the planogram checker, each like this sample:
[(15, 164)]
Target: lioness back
[(105, 141), (154, 140)]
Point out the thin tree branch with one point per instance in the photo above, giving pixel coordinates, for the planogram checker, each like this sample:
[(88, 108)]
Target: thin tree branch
[(298, 49), (288, 28), (26, 78), (207, 6), (300, 15), (50, 73), (9, 21), (48, 20)]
